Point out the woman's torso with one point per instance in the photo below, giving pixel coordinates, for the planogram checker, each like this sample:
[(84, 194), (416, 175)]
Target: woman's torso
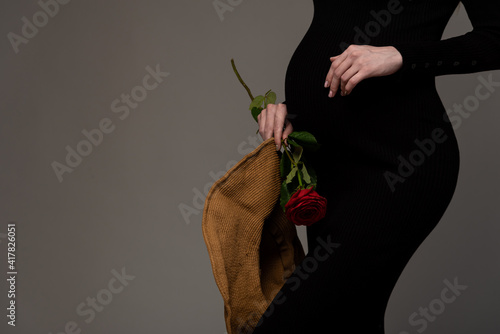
[(380, 111)]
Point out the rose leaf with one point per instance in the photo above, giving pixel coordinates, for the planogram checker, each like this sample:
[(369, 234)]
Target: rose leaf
[(255, 112), (305, 139), (305, 174), (256, 102), (269, 98), (291, 175)]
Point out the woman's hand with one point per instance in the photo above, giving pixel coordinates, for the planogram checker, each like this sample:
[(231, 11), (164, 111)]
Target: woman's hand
[(359, 62), (272, 123)]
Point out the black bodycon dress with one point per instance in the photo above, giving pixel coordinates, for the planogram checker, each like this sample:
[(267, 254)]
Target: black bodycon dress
[(389, 159)]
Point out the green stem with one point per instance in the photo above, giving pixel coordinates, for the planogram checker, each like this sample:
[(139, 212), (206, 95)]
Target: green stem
[(241, 80), (293, 162), (284, 147), (300, 179)]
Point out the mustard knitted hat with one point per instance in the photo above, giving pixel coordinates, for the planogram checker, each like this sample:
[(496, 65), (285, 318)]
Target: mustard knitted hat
[(252, 246)]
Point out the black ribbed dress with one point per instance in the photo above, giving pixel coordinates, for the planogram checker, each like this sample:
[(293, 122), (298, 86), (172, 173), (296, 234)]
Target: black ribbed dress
[(389, 160)]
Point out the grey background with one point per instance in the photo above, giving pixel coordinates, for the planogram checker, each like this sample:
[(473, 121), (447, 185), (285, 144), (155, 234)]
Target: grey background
[(121, 206)]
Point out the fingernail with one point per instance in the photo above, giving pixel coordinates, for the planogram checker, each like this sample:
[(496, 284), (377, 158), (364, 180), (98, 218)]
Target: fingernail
[(342, 93), (330, 94), (326, 83), (277, 148)]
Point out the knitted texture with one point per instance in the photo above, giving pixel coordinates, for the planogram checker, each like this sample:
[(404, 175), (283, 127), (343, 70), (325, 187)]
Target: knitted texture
[(252, 247)]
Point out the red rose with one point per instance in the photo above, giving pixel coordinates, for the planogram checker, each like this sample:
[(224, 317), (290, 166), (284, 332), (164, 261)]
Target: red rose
[(305, 207)]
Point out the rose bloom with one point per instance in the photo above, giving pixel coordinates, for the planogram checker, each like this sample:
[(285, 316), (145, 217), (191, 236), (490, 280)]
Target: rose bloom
[(305, 207)]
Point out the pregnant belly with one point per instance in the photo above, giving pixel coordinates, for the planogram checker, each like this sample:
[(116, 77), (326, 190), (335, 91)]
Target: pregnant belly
[(307, 71), (380, 115)]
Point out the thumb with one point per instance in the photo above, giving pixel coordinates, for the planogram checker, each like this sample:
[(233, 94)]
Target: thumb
[(287, 131)]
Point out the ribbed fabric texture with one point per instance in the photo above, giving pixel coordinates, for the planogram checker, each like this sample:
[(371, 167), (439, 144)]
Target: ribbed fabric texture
[(252, 246), (389, 160)]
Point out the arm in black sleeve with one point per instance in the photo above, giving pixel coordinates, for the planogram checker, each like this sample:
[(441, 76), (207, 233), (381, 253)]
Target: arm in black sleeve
[(477, 50)]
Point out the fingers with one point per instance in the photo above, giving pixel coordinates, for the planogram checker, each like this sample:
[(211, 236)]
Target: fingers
[(271, 123), (262, 123), (331, 72), (279, 121), (337, 69), (345, 83), (353, 81), (287, 131), (269, 126)]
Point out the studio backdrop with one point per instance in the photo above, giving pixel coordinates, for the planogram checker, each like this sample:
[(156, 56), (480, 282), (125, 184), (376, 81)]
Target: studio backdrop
[(116, 118)]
